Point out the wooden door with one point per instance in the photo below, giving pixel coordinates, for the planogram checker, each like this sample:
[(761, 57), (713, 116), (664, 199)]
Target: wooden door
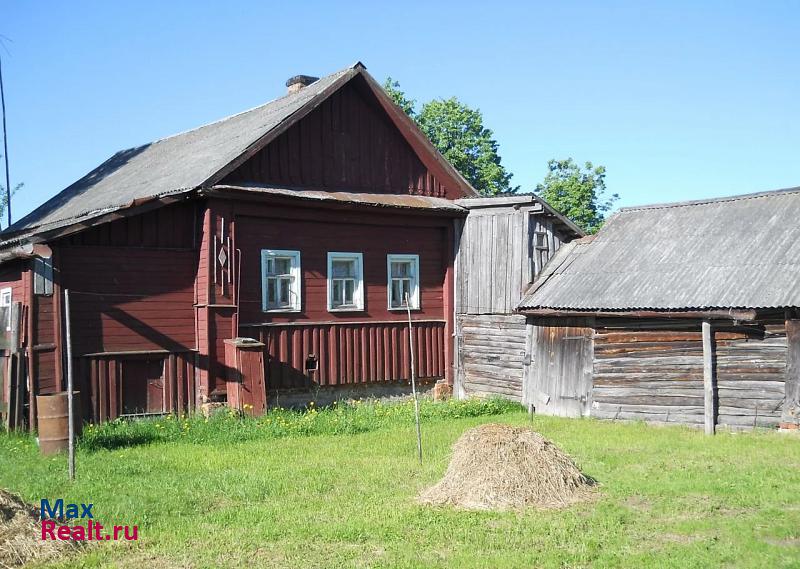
[(559, 377), (143, 386)]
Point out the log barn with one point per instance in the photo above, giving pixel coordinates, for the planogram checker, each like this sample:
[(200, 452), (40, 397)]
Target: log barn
[(261, 259), (675, 313)]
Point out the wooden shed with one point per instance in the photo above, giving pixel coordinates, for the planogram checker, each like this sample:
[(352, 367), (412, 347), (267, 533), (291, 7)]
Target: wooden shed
[(503, 245), (675, 313), (300, 224)]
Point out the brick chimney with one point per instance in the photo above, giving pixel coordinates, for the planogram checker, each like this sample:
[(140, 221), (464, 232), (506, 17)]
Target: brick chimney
[(297, 82)]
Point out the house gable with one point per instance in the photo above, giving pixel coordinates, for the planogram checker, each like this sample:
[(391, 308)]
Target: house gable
[(348, 143)]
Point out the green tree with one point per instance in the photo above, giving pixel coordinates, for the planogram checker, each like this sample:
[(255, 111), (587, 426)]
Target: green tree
[(579, 193), (457, 131), (397, 95)]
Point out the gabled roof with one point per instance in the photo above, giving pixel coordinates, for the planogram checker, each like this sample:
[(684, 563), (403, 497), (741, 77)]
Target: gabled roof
[(734, 252), (201, 157)]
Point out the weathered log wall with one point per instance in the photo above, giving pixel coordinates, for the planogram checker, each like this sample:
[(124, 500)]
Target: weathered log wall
[(655, 373), (491, 360)]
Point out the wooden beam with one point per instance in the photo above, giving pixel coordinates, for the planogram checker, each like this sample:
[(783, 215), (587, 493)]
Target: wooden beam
[(709, 378), (737, 315), (790, 415)]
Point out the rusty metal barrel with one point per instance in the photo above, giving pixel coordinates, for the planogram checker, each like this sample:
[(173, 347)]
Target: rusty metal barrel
[(53, 417)]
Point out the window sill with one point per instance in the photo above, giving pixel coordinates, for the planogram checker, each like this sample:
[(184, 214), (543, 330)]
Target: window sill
[(347, 309), (280, 310), (404, 309)]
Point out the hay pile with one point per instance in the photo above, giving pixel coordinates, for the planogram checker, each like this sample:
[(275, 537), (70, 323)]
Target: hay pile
[(499, 467), (21, 534)]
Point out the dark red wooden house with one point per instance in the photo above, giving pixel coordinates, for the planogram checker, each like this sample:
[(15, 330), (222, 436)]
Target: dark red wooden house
[(301, 224)]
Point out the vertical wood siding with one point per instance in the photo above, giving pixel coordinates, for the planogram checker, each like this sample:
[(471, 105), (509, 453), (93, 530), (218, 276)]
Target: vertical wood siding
[(102, 382), (498, 259), (349, 353), (347, 143)]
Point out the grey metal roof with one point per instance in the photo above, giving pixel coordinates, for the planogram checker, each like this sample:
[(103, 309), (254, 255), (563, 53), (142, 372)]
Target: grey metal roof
[(171, 165), (735, 252)]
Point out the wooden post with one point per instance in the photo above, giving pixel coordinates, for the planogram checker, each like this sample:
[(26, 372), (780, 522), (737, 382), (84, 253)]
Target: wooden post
[(414, 380), (709, 377), (790, 415)]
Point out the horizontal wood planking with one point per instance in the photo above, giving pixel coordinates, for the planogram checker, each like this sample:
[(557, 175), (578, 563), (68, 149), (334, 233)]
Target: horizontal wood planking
[(492, 352), (374, 236), (656, 374), (347, 143), (130, 298), (349, 354)]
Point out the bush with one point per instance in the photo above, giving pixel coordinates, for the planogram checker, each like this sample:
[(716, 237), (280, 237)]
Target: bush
[(341, 418)]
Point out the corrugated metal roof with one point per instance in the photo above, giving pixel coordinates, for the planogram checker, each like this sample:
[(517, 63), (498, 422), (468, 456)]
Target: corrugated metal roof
[(167, 166), (401, 201), (736, 252)]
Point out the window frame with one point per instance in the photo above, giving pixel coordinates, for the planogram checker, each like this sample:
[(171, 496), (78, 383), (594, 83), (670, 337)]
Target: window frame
[(10, 292), (358, 289), (415, 295), (295, 287)]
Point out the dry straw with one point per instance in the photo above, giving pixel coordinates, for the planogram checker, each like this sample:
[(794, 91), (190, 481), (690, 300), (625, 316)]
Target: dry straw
[(500, 467), (21, 535)]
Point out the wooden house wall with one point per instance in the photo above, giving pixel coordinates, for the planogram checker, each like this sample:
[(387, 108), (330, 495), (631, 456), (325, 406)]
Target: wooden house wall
[(353, 347), (654, 372), (496, 262), (347, 143), (132, 295)]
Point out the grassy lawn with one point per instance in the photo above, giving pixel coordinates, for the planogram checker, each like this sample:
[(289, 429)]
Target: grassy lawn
[(338, 491)]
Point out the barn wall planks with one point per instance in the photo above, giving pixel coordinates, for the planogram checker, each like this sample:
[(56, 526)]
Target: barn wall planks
[(499, 256), (349, 353), (500, 251), (492, 359), (347, 143), (655, 373)]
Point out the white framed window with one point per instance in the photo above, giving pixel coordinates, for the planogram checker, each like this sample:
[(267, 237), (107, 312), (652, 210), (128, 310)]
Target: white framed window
[(5, 302), (345, 282), (403, 279), (280, 280)]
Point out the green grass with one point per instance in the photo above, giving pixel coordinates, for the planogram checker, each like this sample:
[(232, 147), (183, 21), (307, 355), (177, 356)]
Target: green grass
[(315, 493)]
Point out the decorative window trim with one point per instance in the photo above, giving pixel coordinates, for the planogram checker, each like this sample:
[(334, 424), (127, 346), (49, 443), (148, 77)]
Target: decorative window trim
[(295, 288), (358, 292), (415, 289)]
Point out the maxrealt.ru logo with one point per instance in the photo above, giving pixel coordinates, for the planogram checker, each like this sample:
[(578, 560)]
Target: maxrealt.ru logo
[(59, 523)]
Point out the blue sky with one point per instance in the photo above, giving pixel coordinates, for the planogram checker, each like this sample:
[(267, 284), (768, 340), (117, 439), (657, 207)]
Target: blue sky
[(679, 100)]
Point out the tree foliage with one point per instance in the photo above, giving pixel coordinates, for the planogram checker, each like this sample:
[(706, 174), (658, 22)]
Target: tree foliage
[(579, 193), (458, 132), (397, 95)]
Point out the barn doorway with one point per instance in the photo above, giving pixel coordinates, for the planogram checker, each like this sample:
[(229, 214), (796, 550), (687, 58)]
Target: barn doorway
[(558, 380)]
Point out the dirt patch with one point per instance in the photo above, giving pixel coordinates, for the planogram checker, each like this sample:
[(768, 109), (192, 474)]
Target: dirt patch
[(786, 542), (500, 467), (638, 503), (21, 535)]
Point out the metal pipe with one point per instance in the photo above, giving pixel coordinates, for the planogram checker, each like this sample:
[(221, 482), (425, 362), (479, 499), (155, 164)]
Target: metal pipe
[(70, 390)]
